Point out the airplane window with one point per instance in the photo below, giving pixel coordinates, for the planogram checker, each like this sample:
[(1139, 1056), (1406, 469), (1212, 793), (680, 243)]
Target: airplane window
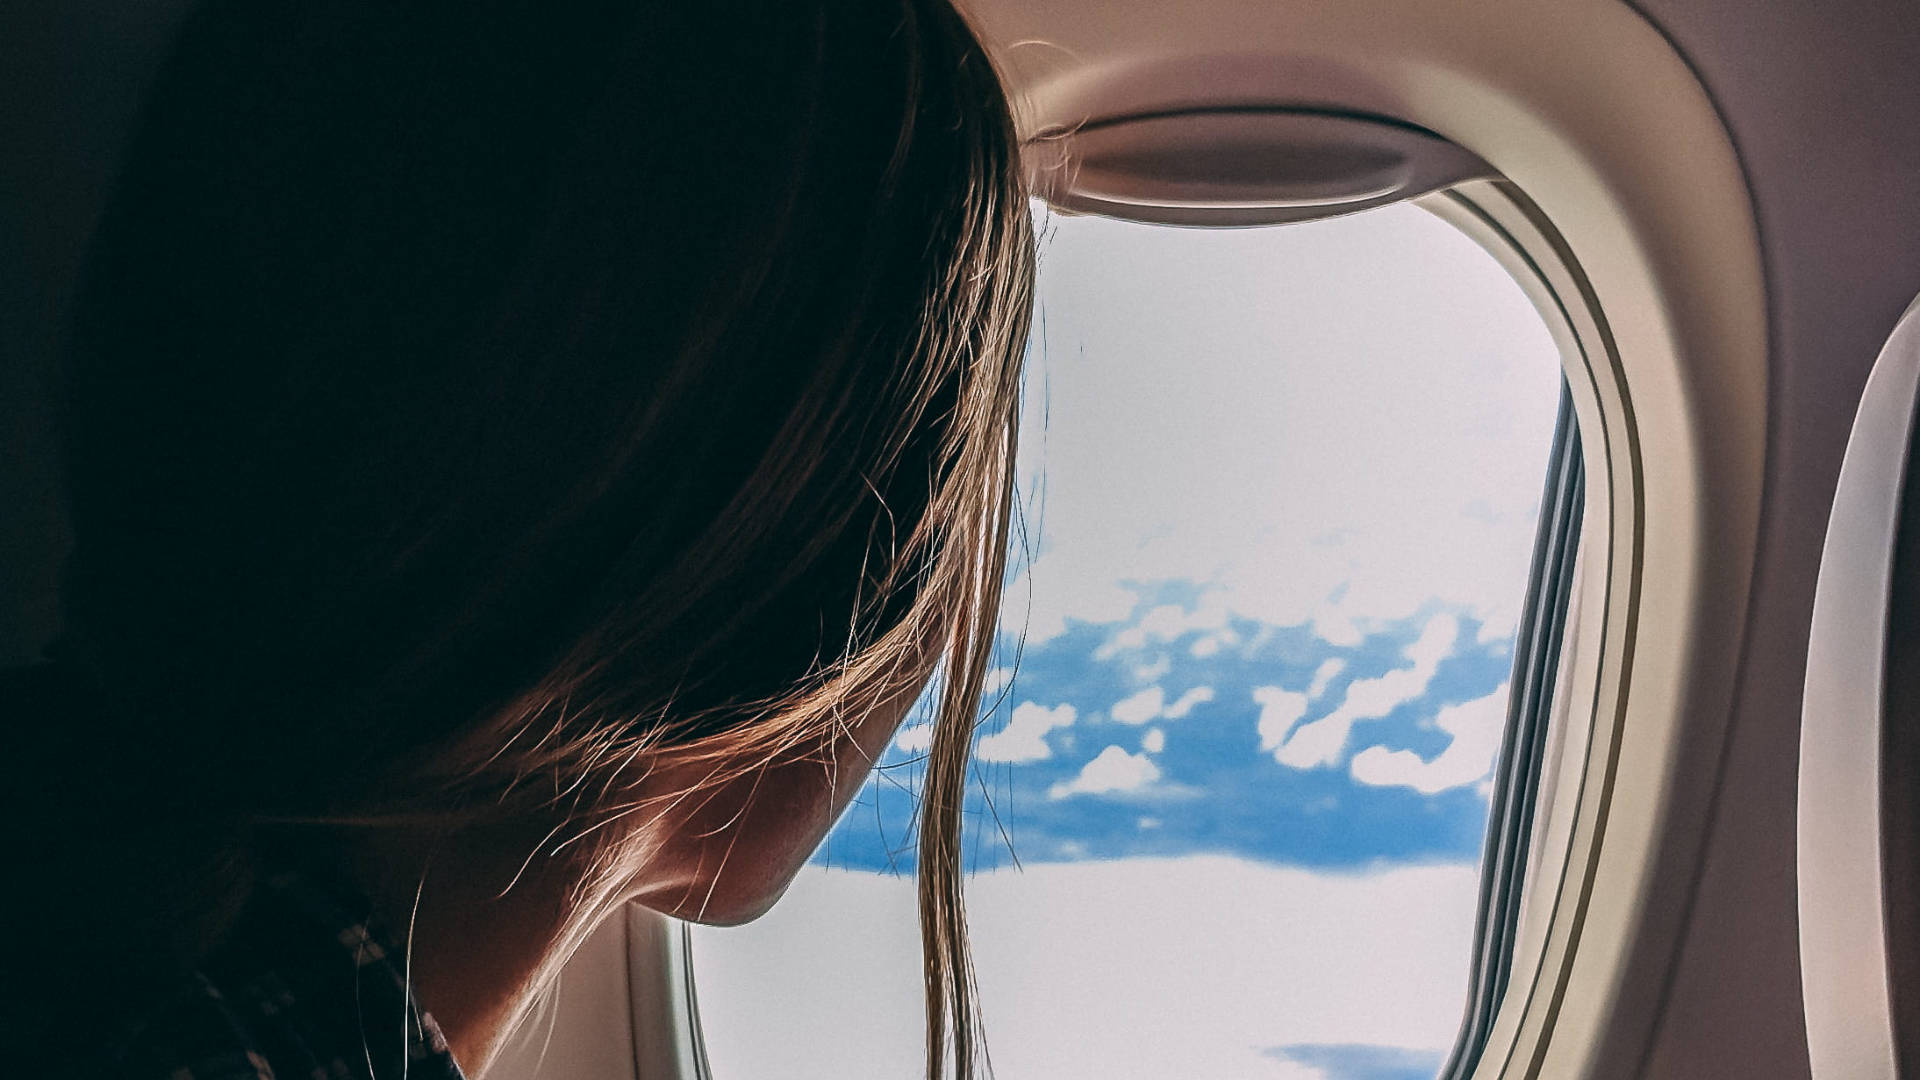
[(1282, 488)]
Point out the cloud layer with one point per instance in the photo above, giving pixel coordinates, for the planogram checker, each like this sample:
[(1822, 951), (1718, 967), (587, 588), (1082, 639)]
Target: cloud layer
[(1134, 970)]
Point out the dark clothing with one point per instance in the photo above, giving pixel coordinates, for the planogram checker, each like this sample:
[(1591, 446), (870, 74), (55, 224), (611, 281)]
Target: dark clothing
[(305, 986)]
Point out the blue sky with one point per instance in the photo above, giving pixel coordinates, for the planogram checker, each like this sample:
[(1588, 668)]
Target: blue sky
[(1280, 489)]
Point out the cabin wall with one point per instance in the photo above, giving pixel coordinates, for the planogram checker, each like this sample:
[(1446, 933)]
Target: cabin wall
[(1823, 100)]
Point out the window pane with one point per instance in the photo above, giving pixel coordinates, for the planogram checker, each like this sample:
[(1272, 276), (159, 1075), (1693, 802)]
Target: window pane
[(1281, 489)]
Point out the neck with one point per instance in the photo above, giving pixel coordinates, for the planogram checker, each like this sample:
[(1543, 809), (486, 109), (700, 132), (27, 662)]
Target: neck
[(479, 924)]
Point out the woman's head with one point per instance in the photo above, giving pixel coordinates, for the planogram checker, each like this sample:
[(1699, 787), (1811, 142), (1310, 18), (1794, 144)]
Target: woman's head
[(502, 409)]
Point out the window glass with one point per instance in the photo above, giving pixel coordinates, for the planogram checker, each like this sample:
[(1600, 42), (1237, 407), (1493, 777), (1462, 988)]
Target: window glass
[(1281, 487)]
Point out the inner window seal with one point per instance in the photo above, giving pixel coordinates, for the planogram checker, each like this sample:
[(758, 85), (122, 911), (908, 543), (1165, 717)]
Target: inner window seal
[(1518, 769)]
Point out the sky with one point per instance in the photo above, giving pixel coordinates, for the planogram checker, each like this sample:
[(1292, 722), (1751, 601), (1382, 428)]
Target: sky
[(1280, 488)]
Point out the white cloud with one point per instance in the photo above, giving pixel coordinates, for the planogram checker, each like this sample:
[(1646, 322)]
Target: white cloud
[(1151, 671), (914, 738), (1114, 771), (1186, 703), (1148, 823), (1151, 704), (997, 680), (1051, 591), (1321, 741), (1476, 727), (1279, 711), (1324, 674), (1154, 741), (1435, 642), (1336, 626), (1165, 622), (1024, 737), (1139, 708), (1284, 957)]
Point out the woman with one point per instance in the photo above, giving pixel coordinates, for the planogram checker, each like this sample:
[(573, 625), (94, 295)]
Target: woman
[(523, 458)]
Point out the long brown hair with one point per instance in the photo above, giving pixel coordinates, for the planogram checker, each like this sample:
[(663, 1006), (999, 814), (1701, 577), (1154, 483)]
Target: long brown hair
[(470, 400)]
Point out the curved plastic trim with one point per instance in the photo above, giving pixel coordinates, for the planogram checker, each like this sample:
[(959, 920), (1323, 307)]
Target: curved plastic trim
[(1846, 961), (1235, 167)]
